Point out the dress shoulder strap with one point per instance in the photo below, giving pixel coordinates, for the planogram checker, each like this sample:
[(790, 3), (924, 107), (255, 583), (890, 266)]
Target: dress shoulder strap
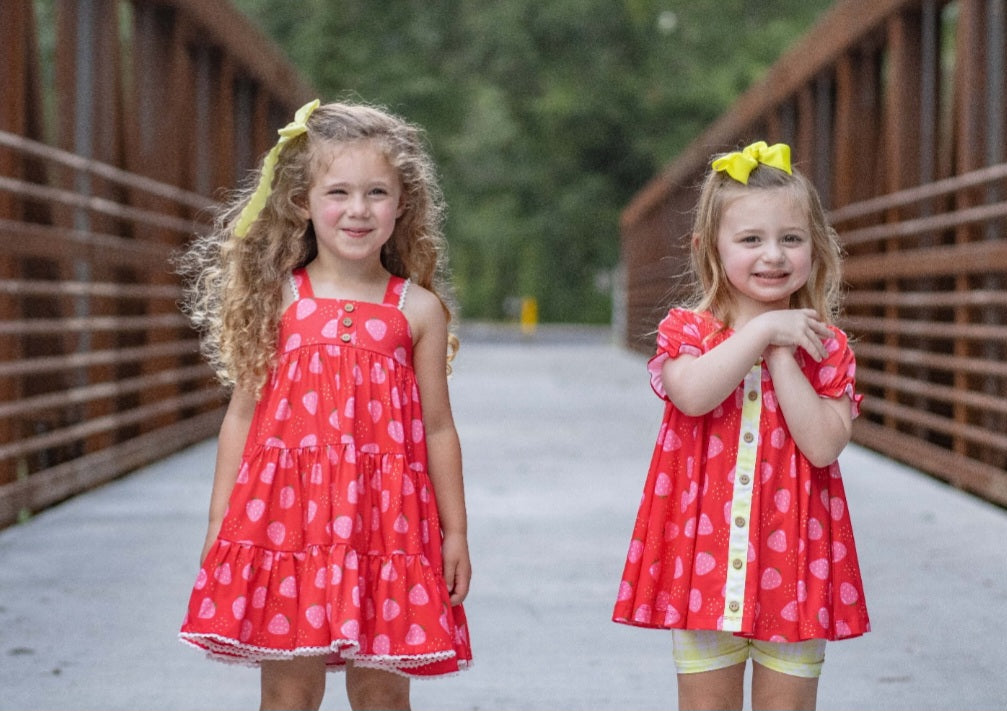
[(300, 284), (395, 294)]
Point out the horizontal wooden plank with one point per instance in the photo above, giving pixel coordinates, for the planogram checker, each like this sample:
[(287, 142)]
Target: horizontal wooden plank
[(71, 361), (925, 299), (30, 239), (24, 287), (93, 323), (926, 329), (914, 387), (911, 357), (951, 260), (909, 415), (934, 224), (50, 486)]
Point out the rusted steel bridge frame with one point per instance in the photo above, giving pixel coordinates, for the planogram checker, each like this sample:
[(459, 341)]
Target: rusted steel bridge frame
[(896, 110), (154, 107)]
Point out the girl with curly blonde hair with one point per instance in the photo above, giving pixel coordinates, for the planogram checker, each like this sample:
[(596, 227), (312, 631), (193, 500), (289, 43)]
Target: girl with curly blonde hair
[(337, 531)]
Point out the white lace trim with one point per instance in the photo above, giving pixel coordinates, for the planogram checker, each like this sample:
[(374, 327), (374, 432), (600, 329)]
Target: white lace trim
[(293, 287), (405, 290), (229, 651)]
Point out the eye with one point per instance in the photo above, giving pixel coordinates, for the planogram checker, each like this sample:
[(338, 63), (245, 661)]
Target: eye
[(749, 239), (793, 238)]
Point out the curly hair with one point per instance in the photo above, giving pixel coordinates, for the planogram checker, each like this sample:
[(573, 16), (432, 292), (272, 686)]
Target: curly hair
[(823, 290), (234, 286)]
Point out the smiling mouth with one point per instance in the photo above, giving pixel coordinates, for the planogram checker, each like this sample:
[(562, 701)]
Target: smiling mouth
[(771, 275), (357, 231)]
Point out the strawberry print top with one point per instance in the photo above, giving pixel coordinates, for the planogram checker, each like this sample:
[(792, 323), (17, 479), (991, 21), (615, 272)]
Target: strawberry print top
[(331, 544), (737, 531)]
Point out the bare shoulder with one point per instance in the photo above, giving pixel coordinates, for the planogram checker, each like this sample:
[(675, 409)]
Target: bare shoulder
[(424, 312)]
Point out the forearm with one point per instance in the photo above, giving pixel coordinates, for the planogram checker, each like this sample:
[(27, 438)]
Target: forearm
[(821, 427), (445, 464), (230, 446)]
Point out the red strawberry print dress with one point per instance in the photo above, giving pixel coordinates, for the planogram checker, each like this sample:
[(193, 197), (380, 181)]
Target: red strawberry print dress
[(737, 531), (332, 544)]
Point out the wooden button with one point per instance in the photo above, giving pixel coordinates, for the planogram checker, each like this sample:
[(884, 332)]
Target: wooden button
[(739, 521), (347, 322), (737, 563), (349, 308), (749, 437), (753, 396), (733, 606), (345, 338), (744, 479)]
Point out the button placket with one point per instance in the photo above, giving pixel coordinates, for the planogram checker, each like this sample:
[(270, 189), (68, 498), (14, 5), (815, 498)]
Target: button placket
[(741, 501)]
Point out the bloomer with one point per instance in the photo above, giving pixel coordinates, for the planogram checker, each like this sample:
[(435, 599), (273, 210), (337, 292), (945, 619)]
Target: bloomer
[(706, 650)]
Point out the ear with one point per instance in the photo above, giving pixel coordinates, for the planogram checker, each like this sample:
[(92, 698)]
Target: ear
[(402, 208), (695, 241), (301, 205)]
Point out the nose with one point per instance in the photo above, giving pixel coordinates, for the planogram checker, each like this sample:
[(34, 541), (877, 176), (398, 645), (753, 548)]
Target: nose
[(358, 204), (773, 252)]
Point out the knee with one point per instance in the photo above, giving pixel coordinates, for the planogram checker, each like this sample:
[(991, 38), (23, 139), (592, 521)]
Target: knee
[(373, 690), (286, 687)]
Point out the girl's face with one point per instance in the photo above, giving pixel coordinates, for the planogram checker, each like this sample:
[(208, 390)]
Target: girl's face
[(765, 248), (353, 203)]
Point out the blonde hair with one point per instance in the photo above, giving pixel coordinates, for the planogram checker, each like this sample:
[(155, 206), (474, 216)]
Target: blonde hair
[(823, 290), (234, 287)]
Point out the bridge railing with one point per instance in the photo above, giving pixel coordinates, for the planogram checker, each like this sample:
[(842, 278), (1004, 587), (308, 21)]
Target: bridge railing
[(155, 106), (888, 109)]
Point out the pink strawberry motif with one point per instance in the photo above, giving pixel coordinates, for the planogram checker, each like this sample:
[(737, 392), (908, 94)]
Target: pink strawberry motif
[(826, 374), (399, 354), (350, 408), (671, 531), (287, 497), (276, 532), (417, 433), (823, 618), (378, 374), (238, 607), (315, 615), (778, 438), (390, 610), (331, 329), (415, 636), (259, 598), (789, 611), (635, 551), (242, 474), (782, 500), (315, 364), (376, 328), (842, 629), (689, 495), (343, 526), (279, 625), (663, 485), (294, 372), (838, 551), (254, 509), (388, 572), (374, 407), (655, 570), (246, 631), (310, 401), (309, 441), (418, 595), (288, 587), (679, 567), (358, 375), (672, 441), (802, 591), (312, 510), (351, 561), (223, 574), (201, 579), (695, 600), (408, 488), (715, 447), (305, 307), (837, 507), (705, 525), (625, 591), (769, 401), (643, 614), (814, 529), (267, 473), (771, 579), (777, 541), (382, 645), (350, 629), (401, 524), (207, 609), (316, 474), (766, 472), (320, 576), (704, 563), (292, 343), (672, 616), (337, 575), (848, 594), (396, 432), (819, 568)]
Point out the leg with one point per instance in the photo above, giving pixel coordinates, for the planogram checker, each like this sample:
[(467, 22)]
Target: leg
[(375, 689), (717, 690), (297, 683), (776, 691)]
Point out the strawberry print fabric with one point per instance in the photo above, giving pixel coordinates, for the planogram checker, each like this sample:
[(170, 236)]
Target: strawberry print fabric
[(331, 544), (736, 530)]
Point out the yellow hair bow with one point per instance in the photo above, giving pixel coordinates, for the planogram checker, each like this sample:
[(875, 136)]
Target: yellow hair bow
[(740, 164), (258, 200)]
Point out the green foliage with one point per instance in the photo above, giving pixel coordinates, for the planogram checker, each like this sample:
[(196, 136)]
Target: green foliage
[(545, 117)]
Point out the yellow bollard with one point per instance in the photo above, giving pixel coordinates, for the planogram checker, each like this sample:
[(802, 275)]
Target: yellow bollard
[(529, 316)]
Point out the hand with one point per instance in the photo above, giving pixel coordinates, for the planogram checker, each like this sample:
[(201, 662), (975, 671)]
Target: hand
[(796, 328), (457, 567)]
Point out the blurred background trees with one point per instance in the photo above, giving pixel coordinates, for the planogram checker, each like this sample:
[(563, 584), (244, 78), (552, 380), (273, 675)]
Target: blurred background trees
[(545, 116)]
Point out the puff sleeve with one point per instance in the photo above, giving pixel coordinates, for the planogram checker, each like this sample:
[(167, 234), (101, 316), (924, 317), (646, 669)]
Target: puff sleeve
[(835, 375), (680, 332)]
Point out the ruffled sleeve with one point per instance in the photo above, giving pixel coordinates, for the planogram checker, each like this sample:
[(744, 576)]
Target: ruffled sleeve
[(836, 375), (681, 332)]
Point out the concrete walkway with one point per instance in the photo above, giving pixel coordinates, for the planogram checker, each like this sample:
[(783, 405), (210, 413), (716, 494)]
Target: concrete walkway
[(557, 432)]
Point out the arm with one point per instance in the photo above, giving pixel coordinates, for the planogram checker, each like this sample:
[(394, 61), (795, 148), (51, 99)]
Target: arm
[(443, 447), (230, 445), (820, 426), (697, 384)]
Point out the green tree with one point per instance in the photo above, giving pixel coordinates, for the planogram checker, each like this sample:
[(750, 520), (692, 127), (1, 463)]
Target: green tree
[(545, 117)]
